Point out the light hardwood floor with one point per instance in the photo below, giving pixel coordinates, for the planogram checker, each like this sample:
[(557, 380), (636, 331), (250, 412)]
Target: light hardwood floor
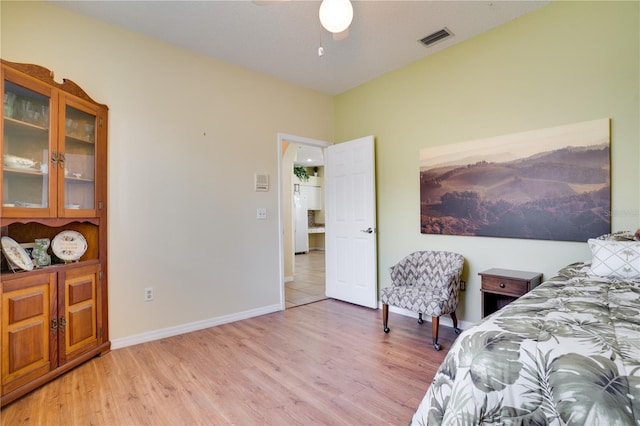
[(309, 284), (325, 363)]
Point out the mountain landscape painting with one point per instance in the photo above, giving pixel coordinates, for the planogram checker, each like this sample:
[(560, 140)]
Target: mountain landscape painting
[(548, 184)]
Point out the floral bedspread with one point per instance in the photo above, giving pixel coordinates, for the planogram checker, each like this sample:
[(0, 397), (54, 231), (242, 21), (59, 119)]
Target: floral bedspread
[(567, 352)]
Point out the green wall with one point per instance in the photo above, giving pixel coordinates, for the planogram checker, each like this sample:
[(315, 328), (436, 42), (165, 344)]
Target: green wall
[(564, 63)]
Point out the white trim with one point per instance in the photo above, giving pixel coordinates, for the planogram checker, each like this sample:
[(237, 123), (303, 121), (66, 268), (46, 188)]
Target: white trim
[(284, 137), (444, 320), (189, 327)]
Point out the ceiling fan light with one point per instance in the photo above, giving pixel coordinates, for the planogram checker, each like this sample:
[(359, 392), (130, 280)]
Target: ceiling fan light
[(336, 15)]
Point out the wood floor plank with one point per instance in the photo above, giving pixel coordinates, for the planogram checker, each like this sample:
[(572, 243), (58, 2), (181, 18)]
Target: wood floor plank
[(327, 362)]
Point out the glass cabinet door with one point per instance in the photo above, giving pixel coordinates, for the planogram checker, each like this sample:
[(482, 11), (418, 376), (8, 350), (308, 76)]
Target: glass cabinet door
[(77, 159), (26, 187)]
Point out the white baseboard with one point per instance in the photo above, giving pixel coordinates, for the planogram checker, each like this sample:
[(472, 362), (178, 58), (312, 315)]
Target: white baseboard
[(444, 320), (187, 328), (212, 322), (288, 279)]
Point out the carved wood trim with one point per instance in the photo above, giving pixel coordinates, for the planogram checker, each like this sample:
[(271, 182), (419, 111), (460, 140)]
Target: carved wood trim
[(46, 76)]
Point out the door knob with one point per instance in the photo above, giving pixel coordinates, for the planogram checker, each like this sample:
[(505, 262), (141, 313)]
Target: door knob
[(367, 231)]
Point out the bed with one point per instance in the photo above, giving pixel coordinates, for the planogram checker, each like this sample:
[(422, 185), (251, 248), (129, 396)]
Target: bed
[(568, 352)]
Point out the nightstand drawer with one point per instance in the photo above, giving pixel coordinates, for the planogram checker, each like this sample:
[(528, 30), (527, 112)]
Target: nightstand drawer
[(502, 286), (505, 285)]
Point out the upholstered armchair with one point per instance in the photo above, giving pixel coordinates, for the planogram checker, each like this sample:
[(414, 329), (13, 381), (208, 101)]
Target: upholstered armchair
[(426, 282)]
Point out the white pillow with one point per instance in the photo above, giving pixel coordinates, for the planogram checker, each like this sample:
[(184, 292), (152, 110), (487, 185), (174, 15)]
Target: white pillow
[(618, 259)]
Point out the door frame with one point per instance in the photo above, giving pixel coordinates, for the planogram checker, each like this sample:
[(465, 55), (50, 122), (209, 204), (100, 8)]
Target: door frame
[(298, 140)]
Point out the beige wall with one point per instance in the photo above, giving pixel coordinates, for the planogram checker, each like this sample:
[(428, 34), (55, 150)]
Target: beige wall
[(182, 204), (564, 63)]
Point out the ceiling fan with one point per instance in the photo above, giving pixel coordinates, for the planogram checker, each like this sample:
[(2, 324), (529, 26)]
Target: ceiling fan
[(335, 15)]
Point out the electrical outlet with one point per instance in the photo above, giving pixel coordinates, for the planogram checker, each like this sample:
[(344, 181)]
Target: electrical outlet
[(261, 213), (463, 285), (148, 294)]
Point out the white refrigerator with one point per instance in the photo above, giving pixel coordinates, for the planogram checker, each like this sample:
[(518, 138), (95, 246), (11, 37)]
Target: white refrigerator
[(301, 222)]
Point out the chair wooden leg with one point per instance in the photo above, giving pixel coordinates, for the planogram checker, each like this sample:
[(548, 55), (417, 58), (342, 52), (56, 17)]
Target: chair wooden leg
[(435, 326), (454, 318), (385, 317)]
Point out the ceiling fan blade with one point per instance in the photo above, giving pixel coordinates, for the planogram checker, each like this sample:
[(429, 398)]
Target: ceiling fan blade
[(341, 36), (267, 2)]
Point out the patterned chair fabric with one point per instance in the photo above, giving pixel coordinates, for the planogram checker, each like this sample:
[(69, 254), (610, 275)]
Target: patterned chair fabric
[(427, 282)]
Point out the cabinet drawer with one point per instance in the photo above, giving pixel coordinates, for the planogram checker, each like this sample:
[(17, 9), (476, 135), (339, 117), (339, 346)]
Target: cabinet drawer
[(504, 285)]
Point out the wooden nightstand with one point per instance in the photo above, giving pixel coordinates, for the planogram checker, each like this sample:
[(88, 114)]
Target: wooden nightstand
[(502, 286)]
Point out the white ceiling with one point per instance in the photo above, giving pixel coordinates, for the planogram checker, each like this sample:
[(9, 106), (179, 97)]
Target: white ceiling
[(281, 38)]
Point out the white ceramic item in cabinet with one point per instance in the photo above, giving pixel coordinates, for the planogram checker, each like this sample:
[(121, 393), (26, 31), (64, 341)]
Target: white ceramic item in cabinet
[(16, 254), (69, 245)]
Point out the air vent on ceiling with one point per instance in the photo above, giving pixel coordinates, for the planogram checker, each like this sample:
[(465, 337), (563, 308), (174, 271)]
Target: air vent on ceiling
[(436, 37)]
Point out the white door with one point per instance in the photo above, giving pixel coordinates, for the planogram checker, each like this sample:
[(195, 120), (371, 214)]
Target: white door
[(350, 218)]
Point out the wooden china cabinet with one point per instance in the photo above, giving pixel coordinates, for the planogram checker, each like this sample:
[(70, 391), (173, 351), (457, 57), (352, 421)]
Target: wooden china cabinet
[(53, 178)]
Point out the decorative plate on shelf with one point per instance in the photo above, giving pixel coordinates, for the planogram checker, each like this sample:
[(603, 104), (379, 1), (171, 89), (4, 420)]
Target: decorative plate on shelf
[(69, 245), (16, 162), (16, 254)]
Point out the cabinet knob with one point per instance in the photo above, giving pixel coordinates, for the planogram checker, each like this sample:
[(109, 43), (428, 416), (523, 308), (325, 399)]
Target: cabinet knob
[(502, 285), (54, 324)]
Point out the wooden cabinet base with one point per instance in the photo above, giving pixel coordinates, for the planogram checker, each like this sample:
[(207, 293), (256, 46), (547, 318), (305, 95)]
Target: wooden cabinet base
[(53, 180), (23, 390)]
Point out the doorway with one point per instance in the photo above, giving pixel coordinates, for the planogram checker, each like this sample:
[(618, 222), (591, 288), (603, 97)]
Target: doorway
[(308, 283), (302, 266)]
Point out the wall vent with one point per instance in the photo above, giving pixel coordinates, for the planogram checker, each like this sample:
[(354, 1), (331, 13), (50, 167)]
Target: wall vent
[(436, 37)]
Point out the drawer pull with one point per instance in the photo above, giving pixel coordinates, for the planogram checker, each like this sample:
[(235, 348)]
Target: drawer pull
[(502, 285)]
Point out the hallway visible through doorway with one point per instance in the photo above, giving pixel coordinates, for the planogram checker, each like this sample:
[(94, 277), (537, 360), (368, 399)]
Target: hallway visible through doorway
[(309, 280)]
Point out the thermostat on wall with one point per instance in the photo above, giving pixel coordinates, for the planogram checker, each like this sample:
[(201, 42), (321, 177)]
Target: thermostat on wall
[(262, 182)]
